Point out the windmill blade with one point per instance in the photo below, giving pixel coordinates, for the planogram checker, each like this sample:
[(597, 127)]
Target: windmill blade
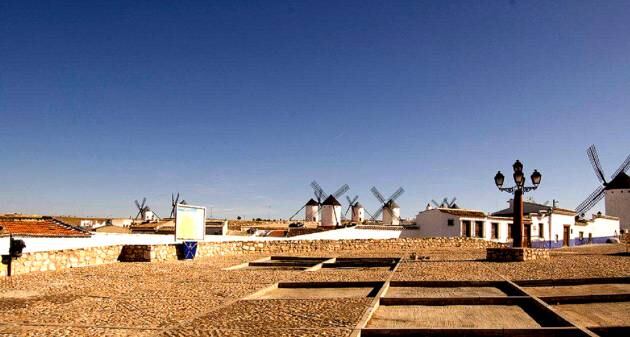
[(380, 210), (378, 195), (177, 199), (347, 209), (445, 201), (319, 192), (452, 202), (172, 199), (592, 199), (435, 203), (623, 168), (349, 200), (137, 204), (368, 213), (296, 213), (593, 157), (354, 200), (144, 201), (343, 189), (397, 194)]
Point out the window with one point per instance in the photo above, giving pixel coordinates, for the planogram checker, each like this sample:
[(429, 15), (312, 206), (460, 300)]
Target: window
[(556, 238), (451, 222), (510, 231), (541, 231), (581, 234), (495, 231), (590, 237)]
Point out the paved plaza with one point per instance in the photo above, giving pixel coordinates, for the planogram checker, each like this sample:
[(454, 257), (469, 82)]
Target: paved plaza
[(204, 298)]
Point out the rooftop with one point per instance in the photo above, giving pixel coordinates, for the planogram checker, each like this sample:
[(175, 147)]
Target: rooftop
[(39, 226)]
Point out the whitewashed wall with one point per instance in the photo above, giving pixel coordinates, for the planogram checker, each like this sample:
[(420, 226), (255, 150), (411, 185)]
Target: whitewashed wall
[(618, 205)]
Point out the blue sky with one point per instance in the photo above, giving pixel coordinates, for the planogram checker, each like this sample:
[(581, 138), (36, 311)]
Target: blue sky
[(238, 105)]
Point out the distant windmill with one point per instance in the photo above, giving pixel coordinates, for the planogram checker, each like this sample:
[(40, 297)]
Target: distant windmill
[(314, 207), (144, 212), (617, 203), (174, 202), (329, 208), (389, 207), (358, 211)]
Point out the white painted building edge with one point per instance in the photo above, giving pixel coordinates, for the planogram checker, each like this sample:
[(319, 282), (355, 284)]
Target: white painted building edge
[(435, 223)]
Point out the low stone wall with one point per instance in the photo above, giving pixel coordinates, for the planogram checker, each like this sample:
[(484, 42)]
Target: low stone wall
[(61, 259), (168, 252), (516, 254), (71, 258)]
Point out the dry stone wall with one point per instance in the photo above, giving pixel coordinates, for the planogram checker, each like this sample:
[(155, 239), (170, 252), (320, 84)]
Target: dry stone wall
[(71, 258), (516, 254), (61, 259)]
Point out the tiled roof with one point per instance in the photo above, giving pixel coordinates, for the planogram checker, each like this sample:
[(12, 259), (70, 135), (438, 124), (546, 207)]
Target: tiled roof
[(45, 227), (463, 212)]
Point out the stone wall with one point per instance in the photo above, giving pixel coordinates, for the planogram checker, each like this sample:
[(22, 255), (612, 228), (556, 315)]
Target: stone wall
[(62, 259), (168, 252), (516, 254), (71, 258)]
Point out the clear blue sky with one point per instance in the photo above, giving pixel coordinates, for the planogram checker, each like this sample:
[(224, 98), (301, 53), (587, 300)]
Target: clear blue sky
[(238, 105)]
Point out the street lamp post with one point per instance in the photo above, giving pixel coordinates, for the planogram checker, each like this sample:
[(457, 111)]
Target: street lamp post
[(518, 190)]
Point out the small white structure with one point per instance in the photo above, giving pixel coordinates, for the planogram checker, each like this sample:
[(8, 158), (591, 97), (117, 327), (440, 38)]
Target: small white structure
[(121, 222), (331, 212), (148, 215), (358, 213), (311, 209), (617, 199), (216, 227), (391, 213), (450, 222)]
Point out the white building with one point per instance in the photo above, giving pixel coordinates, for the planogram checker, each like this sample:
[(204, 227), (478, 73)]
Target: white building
[(545, 226), (450, 222), (391, 213), (311, 209), (331, 212), (121, 222), (358, 213), (617, 199)]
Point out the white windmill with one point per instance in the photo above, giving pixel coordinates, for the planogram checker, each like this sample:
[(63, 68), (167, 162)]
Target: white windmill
[(358, 211), (616, 191), (330, 210), (389, 207)]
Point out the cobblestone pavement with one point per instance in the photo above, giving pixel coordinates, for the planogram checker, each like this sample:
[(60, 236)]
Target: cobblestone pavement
[(200, 298)]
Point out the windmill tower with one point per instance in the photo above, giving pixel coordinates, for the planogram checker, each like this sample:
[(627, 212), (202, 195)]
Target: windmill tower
[(330, 209), (358, 211), (616, 191), (144, 212), (312, 210), (389, 207)]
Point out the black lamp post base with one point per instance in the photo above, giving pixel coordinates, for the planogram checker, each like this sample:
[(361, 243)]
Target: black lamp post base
[(516, 254)]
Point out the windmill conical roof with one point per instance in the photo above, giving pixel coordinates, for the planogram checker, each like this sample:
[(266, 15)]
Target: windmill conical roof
[(622, 180), (311, 202), (357, 205), (392, 204), (331, 201)]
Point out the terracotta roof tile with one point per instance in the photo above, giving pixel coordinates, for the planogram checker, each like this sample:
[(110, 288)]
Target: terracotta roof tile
[(43, 227), (463, 212)]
